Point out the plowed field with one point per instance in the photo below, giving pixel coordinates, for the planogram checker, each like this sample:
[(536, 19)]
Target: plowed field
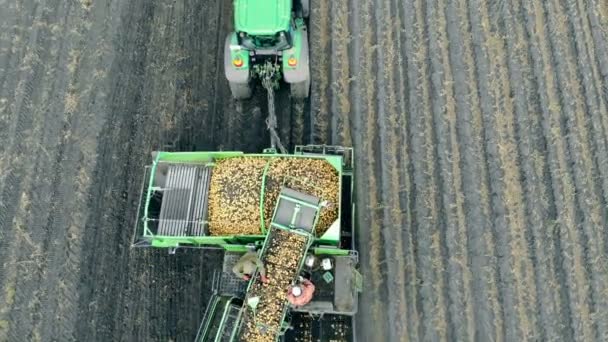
[(481, 137)]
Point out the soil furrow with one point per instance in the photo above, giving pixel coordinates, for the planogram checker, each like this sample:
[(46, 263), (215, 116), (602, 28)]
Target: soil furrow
[(17, 257), (584, 170), (569, 256), (406, 194), (429, 261), (594, 101), (10, 22), (444, 115), (76, 161), (340, 73), (516, 269), (487, 312), (533, 165), (368, 203), (18, 102), (389, 124), (320, 91), (46, 130), (523, 268), (19, 36), (597, 12)]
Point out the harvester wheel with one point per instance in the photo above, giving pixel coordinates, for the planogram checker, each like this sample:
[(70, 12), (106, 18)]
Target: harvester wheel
[(300, 90), (240, 91), (305, 8)]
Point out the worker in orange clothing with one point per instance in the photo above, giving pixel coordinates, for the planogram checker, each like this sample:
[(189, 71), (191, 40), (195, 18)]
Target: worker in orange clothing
[(301, 294), (247, 265)]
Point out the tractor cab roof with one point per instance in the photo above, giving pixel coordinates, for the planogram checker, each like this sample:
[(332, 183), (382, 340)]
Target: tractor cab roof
[(262, 17)]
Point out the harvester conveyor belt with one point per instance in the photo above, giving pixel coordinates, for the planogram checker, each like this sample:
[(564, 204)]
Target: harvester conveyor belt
[(266, 247)]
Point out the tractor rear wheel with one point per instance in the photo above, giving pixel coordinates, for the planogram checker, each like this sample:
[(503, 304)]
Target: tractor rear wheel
[(240, 91), (300, 90)]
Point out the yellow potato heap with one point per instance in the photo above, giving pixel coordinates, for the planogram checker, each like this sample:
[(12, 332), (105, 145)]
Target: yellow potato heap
[(282, 258), (314, 177), (234, 194)]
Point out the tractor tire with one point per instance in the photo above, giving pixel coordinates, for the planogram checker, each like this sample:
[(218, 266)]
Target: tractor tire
[(305, 8), (300, 90), (240, 91)]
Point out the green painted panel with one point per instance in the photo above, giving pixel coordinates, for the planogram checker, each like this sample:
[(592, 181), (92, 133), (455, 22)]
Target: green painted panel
[(333, 233), (330, 251), (172, 241), (235, 248), (262, 17), (193, 157), (294, 50), (238, 51)]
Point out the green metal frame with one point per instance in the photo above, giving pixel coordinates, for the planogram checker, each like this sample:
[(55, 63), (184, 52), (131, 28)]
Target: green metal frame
[(238, 51), (309, 242), (226, 308), (296, 49), (228, 242)]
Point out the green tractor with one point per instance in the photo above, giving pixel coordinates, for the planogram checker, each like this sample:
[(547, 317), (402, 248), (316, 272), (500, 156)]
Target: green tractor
[(268, 33)]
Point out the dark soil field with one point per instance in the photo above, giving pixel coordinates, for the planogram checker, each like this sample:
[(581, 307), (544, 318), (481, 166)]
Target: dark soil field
[(481, 137)]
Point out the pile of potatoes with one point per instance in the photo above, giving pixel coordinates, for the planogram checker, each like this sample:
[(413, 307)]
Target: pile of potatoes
[(234, 196), (282, 257), (236, 183)]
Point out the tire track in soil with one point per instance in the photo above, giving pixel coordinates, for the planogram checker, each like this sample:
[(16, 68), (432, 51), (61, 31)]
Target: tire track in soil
[(429, 261), (515, 268), (570, 258), (202, 27), (369, 207), (109, 220), (405, 170), (597, 13), (17, 186), (320, 91), (340, 105), (488, 311), (8, 35), (297, 122), (159, 281), (592, 84), (20, 35), (9, 38), (110, 200), (75, 164), (392, 214), (538, 198), (598, 20), (283, 103), (596, 103), (584, 169), (17, 122), (37, 183), (458, 278), (56, 236)]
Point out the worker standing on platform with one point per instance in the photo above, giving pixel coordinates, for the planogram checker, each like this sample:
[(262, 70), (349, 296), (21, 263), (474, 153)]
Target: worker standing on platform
[(301, 294), (247, 265)]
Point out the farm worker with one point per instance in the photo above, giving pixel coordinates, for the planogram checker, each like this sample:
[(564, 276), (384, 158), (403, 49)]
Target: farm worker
[(301, 294), (246, 266)]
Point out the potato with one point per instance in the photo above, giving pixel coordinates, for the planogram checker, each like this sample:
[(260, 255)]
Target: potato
[(284, 252), (234, 194)]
